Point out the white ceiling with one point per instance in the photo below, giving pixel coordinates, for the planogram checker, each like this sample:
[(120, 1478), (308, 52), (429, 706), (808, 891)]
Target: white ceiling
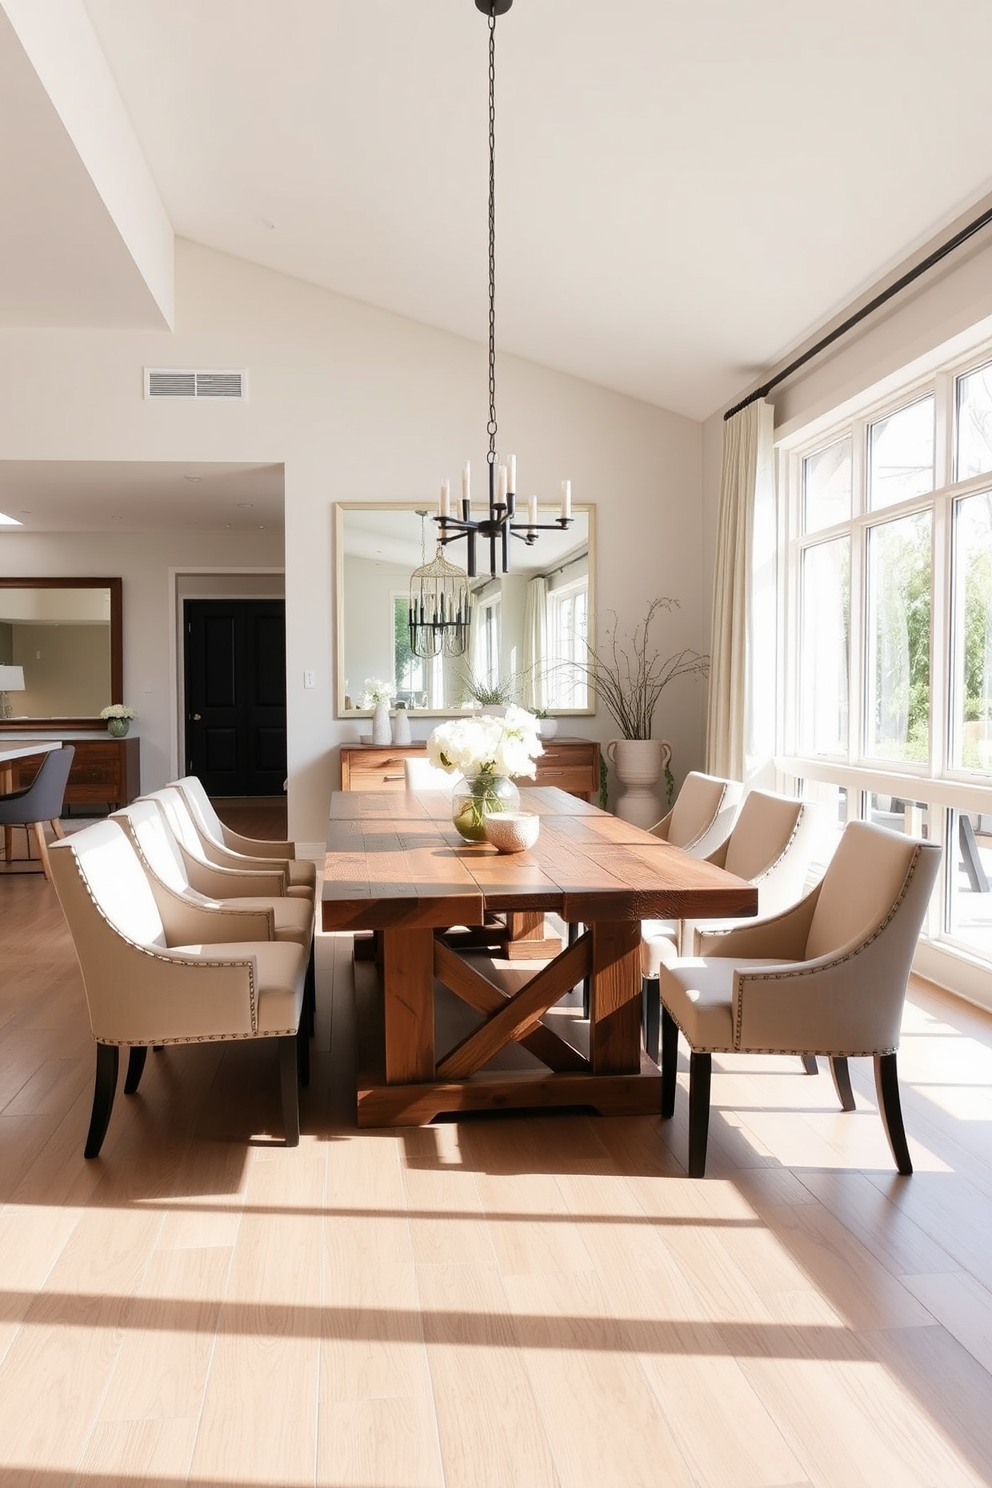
[(685, 191)]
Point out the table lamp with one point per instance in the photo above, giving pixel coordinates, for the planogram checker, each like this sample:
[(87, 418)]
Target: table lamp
[(11, 680)]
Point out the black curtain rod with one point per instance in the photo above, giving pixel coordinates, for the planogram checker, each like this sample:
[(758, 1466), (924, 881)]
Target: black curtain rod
[(866, 310)]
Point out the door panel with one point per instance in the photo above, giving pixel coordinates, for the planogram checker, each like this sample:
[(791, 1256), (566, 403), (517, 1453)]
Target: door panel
[(236, 695)]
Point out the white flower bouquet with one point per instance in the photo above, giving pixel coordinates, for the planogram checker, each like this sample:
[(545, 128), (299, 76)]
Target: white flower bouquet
[(486, 745), (117, 710), (376, 691), (487, 751)]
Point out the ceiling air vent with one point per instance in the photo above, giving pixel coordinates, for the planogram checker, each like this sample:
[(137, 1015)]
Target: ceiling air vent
[(172, 382)]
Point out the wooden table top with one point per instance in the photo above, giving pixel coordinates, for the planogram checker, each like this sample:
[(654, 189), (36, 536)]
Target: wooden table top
[(395, 860)]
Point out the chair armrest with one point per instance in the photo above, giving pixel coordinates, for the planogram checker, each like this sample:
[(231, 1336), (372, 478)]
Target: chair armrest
[(256, 847), (220, 882), (848, 1002), (225, 857), (187, 922), (779, 936)]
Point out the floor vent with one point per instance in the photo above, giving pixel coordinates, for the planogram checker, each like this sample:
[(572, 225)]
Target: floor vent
[(172, 382)]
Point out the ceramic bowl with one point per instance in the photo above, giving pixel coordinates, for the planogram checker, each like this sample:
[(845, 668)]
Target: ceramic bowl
[(512, 831)]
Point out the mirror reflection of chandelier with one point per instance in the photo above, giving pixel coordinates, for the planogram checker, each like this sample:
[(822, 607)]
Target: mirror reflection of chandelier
[(495, 525), (440, 611)]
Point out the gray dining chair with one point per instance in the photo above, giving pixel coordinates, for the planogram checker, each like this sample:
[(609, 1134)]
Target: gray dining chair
[(38, 804)]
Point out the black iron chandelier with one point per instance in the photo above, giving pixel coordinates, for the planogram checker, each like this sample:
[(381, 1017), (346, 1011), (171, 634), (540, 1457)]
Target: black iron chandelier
[(497, 523)]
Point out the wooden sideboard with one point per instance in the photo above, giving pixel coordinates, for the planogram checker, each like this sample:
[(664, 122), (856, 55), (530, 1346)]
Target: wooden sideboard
[(570, 764), (105, 771)]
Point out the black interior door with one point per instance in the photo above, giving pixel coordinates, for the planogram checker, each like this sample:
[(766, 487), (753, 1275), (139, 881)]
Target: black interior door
[(236, 695)]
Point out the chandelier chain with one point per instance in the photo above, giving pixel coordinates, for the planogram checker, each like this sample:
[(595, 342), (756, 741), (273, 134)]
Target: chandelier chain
[(492, 426)]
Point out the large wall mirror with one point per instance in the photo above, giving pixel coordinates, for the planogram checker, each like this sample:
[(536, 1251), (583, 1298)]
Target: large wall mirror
[(64, 636), (528, 626)]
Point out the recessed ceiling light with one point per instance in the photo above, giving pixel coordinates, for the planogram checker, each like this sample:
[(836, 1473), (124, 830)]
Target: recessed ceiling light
[(6, 521), (193, 478), (245, 505)]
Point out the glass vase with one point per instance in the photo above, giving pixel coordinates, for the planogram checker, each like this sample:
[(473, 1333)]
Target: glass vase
[(474, 797), (118, 727)]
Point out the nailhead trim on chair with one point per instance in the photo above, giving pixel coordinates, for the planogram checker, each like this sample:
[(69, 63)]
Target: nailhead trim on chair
[(164, 955), (203, 1038), (785, 976)]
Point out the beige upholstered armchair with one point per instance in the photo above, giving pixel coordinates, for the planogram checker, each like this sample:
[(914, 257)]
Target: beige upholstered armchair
[(238, 914), (703, 815), (299, 871), (145, 988), (770, 845), (826, 977), (202, 853)]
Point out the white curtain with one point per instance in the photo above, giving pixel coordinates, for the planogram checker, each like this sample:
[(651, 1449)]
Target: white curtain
[(745, 486), (535, 642)]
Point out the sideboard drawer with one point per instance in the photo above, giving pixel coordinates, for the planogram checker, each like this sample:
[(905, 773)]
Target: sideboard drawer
[(367, 768), (570, 764)]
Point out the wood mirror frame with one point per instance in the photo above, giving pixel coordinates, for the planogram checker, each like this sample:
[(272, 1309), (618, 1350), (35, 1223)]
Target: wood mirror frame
[(115, 587)]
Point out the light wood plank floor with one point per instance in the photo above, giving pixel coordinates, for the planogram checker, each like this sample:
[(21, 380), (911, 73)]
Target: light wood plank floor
[(513, 1301)]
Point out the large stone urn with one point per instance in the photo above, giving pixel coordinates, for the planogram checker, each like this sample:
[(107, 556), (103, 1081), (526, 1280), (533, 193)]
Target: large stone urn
[(639, 764)]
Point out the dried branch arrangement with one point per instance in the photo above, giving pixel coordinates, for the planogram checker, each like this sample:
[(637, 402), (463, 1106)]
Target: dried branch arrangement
[(630, 681)]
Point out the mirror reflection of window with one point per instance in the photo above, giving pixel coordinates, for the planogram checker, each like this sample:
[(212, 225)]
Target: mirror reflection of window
[(512, 638), (486, 640), (568, 630)]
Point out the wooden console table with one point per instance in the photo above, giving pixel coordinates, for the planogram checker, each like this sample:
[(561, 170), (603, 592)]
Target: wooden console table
[(570, 764), (395, 864)]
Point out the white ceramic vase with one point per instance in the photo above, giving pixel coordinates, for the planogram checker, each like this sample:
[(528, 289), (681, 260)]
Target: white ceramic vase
[(382, 732), (401, 727), (547, 727), (639, 764)]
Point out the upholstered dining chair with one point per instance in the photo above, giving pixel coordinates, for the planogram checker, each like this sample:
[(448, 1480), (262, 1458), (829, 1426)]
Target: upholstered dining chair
[(828, 976), (144, 987), (200, 849), (770, 845), (300, 871), (38, 805), (420, 774), (704, 813), (238, 913)]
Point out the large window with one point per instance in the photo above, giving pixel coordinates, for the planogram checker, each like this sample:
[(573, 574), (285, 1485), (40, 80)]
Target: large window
[(888, 629)]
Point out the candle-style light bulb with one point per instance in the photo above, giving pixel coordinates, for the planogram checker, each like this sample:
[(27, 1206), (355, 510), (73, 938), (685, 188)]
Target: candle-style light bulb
[(532, 513), (444, 504), (512, 473), (566, 500), (466, 482)]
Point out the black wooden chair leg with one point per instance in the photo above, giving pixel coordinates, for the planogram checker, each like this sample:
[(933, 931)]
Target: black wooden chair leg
[(809, 1064), (669, 1061), (700, 1068), (650, 1015), (310, 990), (104, 1090), (842, 1081), (135, 1064), (289, 1088), (890, 1109), (303, 1054)]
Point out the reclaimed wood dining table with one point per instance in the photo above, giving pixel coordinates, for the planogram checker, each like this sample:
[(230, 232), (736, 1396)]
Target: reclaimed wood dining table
[(396, 865)]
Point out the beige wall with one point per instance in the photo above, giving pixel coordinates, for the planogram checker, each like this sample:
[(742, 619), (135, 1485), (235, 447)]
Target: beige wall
[(356, 404)]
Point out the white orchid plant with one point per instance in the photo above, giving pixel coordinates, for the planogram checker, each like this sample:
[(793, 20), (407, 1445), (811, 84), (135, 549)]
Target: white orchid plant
[(117, 710), (486, 745), (376, 691)]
